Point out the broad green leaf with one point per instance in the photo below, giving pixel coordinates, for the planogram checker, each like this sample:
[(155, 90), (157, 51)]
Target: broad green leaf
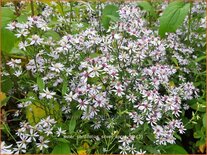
[(148, 7), (52, 34), (62, 140), (6, 84), (16, 51), (6, 16), (174, 149), (22, 18), (8, 40), (34, 113), (7, 12), (72, 125), (113, 18), (110, 12), (173, 16), (77, 114), (61, 148), (40, 84)]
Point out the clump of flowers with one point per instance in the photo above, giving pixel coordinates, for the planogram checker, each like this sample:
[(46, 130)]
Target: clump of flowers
[(84, 80)]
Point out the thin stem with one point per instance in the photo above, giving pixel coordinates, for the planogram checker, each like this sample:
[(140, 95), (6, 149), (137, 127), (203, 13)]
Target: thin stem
[(189, 21), (9, 132), (32, 7)]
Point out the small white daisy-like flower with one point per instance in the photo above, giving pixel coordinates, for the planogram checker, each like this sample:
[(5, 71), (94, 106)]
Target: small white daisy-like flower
[(23, 45), (140, 152), (47, 94), (94, 70), (43, 144), (5, 149), (57, 67), (14, 62), (17, 73), (60, 132), (35, 40), (69, 97)]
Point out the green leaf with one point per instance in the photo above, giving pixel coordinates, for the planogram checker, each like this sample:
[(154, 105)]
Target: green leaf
[(6, 84), (175, 61), (77, 114), (64, 88), (8, 40), (72, 125), (22, 18), (200, 58), (198, 106), (174, 149), (197, 134), (148, 7), (35, 112), (115, 19), (62, 140), (7, 15), (110, 12), (146, 126), (40, 84), (16, 51), (204, 120), (52, 34), (177, 136), (201, 141), (173, 16), (61, 148), (151, 136)]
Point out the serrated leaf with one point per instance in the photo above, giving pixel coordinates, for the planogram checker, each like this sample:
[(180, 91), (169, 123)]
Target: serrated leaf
[(173, 16)]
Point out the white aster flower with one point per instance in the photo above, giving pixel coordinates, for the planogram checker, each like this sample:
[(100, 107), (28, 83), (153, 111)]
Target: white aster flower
[(46, 93)]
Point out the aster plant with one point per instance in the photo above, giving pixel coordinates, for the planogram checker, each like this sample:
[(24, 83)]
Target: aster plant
[(101, 77)]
